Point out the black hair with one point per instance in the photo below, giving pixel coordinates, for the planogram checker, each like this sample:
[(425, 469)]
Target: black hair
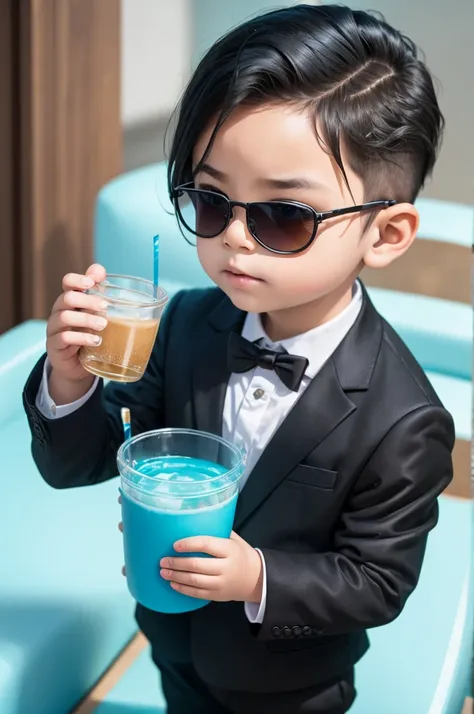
[(371, 96)]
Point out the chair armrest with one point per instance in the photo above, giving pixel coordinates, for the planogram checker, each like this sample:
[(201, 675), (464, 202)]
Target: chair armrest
[(438, 332), (20, 348)]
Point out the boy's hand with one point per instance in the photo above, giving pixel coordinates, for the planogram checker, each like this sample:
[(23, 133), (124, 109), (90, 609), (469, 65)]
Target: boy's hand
[(75, 320), (234, 573)]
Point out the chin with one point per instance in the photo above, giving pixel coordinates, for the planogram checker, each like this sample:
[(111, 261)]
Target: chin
[(245, 301)]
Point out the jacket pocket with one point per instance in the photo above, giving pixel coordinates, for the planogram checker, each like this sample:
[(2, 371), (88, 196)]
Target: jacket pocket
[(313, 476)]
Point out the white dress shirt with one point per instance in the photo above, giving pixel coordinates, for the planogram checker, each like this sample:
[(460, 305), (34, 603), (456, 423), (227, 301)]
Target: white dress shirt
[(256, 402)]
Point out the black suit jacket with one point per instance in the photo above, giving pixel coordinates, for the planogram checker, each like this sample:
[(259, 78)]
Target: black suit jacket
[(340, 502)]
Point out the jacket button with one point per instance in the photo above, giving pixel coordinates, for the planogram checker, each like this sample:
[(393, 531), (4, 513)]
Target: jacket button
[(307, 631), (287, 631), (317, 631), (297, 631), (276, 631)]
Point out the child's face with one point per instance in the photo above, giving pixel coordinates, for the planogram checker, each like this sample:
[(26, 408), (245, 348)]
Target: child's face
[(276, 142)]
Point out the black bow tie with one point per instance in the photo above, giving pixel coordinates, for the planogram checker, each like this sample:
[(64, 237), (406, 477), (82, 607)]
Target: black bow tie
[(243, 356)]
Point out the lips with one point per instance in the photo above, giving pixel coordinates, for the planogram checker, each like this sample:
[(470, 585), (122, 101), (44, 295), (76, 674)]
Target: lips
[(239, 273), (239, 279)]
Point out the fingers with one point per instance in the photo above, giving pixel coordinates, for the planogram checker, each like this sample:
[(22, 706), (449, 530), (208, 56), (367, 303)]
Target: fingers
[(74, 300), (193, 580), (204, 566), (76, 281), (97, 272), (124, 572), (74, 317), (65, 319), (120, 527), (63, 340), (218, 547), (198, 593)]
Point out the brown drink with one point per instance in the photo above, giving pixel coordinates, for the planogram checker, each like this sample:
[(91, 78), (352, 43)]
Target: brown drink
[(124, 351), (133, 316)]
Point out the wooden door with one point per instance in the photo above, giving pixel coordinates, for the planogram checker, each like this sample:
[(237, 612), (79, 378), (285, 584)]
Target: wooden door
[(8, 249), (60, 131)]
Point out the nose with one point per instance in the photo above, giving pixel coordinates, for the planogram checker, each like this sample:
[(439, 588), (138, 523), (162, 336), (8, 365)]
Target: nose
[(237, 236)]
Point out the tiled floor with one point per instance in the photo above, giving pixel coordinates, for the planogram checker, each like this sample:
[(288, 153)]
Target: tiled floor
[(113, 675)]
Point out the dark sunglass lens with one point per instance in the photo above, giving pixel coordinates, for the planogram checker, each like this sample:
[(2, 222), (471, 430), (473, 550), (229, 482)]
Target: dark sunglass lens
[(203, 212), (282, 226)]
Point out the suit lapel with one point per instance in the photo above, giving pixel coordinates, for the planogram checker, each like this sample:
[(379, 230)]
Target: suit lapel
[(319, 410), (316, 414), (210, 375)]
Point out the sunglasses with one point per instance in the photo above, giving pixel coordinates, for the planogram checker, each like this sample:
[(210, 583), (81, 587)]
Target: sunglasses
[(284, 227)]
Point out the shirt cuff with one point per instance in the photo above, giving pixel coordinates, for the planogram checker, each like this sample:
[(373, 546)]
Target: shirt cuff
[(255, 612), (48, 408)]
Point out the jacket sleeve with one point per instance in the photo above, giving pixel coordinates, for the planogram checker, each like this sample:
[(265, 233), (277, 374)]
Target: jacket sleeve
[(81, 448), (379, 543)]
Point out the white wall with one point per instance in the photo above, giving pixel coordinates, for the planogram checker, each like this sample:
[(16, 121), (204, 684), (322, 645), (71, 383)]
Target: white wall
[(162, 39), (443, 30), (156, 50), (159, 39), (212, 18)]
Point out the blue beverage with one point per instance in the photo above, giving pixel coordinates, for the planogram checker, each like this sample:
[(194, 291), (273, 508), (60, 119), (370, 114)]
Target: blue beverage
[(158, 510)]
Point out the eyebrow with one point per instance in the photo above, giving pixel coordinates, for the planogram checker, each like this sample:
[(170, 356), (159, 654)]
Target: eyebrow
[(298, 182)]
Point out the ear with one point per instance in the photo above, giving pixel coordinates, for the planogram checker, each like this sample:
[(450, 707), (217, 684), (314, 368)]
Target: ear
[(391, 234)]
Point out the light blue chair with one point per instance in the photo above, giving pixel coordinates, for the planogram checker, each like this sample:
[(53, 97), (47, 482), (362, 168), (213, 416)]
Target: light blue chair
[(65, 613)]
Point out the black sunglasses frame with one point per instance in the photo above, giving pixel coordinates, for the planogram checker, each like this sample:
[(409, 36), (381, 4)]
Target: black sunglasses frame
[(318, 217)]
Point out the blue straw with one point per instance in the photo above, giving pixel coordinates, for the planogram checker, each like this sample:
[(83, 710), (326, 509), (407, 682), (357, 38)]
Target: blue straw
[(126, 421), (156, 256)]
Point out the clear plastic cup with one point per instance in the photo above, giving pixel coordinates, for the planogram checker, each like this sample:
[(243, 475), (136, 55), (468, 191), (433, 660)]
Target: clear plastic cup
[(134, 309), (175, 483)]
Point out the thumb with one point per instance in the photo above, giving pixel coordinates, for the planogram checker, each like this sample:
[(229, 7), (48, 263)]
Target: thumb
[(235, 536), (96, 272)]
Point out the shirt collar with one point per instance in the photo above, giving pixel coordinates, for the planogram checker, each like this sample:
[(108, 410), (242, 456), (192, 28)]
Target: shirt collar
[(318, 344)]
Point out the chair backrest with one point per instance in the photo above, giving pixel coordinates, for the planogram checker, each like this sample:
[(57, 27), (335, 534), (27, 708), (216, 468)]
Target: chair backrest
[(445, 221)]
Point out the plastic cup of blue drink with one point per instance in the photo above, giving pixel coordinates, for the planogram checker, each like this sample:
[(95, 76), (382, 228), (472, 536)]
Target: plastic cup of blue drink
[(175, 483)]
